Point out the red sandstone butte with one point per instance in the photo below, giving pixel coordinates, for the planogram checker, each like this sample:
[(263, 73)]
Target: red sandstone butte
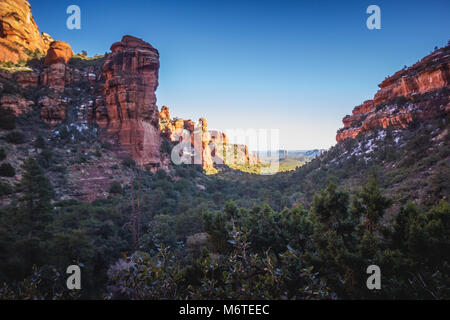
[(131, 120)]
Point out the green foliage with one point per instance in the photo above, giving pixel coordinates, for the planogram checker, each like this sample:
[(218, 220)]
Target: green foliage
[(36, 190), (80, 61), (371, 204), (45, 158), (7, 170), (5, 189), (7, 119), (116, 188), (166, 146), (15, 137), (239, 275), (42, 284), (128, 162), (39, 143)]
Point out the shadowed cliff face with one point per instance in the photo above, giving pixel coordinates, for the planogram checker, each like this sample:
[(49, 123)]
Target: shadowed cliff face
[(416, 93), (131, 73)]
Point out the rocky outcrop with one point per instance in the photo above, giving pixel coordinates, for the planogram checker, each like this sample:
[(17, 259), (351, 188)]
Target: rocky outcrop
[(189, 125), (132, 118), (165, 124), (119, 94), (430, 73), (54, 75), (58, 52), (19, 32), (18, 104), (205, 136), (27, 78), (53, 110), (364, 108), (416, 93), (208, 147)]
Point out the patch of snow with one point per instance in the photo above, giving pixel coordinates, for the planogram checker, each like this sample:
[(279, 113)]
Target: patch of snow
[(381, 135)]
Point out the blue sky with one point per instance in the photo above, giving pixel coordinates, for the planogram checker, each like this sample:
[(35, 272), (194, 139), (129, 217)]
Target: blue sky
[(297, 66)]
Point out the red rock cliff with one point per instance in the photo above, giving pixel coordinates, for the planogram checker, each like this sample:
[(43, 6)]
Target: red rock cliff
[(18, 31), (404, 97), (430, 73), (131, 122), (213, 146)]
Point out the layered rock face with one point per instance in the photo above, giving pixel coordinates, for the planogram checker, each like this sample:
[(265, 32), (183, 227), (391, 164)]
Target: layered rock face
[(54, 75), (18, 31), (53, 109), (430, 73), (118, 93), (416, 93), (18, 104), (132, 118)]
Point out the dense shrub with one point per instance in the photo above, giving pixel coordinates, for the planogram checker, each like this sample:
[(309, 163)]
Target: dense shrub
[(2, 154), (115, 187), (128, 162), (7, 170), (7, 119), (15, 137), (5, 189), (166, 146), (39, 143)]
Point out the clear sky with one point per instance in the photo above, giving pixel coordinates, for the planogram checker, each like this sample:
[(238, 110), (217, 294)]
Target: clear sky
[(297, 66)]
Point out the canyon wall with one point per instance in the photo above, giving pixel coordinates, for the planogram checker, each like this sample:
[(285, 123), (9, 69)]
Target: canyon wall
[(419, 92), (116, 92), (430, 73), (19, 32)]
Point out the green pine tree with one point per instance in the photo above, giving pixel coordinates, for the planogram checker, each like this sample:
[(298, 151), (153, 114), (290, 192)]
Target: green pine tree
[(36, 193)]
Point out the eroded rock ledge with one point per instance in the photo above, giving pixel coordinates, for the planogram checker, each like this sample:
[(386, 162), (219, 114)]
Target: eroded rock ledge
[(419, 92)]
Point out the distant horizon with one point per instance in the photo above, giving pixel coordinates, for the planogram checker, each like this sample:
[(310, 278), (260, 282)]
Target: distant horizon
[(296, 67)]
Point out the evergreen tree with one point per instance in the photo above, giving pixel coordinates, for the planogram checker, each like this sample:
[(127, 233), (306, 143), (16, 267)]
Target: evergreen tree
[(39, 143), (7, 170), (370, 204), (7, 119), (36, 193)]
